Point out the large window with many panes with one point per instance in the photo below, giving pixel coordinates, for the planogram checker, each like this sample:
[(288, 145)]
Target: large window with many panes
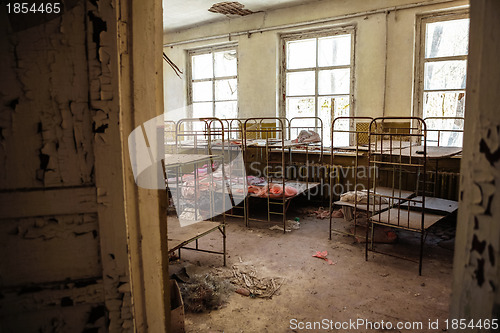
[(317, 77), (213, 82), (441, 73)]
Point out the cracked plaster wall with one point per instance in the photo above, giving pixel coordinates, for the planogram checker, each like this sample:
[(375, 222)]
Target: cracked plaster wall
[(62, 226)]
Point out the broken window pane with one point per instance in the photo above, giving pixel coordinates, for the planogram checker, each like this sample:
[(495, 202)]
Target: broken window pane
[(335, 81), (331, 107), (301, 54), (300, 107), (445, 132), (202, 66), (225, 63), (447, 38), (444, 104), (445, 75), (202, 91), (300, 83), (226, 110), (334, 51), (226, 90)]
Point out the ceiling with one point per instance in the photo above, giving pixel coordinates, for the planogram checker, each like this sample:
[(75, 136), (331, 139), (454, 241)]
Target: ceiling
[(182, 14)]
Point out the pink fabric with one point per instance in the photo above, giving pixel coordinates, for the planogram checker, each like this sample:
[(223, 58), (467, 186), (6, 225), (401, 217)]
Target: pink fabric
[(273, 191)]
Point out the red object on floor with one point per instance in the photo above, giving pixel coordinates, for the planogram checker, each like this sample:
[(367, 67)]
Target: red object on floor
[(322, 255)]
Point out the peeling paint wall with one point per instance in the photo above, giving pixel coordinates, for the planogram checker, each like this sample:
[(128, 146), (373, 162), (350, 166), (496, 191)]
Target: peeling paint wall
[(64, 264), (476, 286), (384, 53), (45, 94)]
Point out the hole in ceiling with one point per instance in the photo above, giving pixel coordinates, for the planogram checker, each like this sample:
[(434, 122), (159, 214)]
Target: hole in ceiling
[(230, 8)]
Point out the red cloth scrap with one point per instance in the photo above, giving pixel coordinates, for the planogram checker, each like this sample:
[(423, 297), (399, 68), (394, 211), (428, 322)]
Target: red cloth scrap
[(322, 255)]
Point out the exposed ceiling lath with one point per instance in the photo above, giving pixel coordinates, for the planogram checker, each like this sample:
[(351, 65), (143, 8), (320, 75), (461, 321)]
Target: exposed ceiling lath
[(230, 8)]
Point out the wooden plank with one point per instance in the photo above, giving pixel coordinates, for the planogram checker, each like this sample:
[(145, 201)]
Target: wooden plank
[(180, 236), (433, 204), (417, 151), (174, 159), (405, 219), (46, 249), (80, 318), (45, 296), (432, 152), (48, 202)]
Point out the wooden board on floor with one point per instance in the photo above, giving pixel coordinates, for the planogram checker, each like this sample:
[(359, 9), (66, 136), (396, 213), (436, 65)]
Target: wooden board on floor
[(407, 219)]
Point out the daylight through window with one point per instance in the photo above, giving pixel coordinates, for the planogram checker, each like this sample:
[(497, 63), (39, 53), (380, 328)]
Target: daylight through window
[(214, 83), (443, 78), (318, 76)]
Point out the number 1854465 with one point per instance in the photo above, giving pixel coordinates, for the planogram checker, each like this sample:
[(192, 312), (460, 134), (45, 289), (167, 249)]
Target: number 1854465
[(32, 8)]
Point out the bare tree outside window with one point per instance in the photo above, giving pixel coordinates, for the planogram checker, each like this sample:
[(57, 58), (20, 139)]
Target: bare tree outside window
[(317, 78), (443, 76), (213, 84)]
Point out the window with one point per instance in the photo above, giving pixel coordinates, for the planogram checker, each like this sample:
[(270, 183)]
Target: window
[(317, 78), (213, 88), (441, 76)]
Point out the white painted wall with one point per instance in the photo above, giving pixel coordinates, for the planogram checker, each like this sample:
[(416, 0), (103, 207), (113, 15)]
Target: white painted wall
[(383, 80)]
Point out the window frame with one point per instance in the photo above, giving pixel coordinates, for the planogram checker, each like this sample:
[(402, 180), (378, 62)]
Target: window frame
[(190, 80), (284, 38), (420, 60)]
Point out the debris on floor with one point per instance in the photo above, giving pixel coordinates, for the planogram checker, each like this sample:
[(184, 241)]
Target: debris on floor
[(202, 292), (243, 291), (322, 255), (338, 214), (246, 279), (290, 225), (380, 235), (322, 213)]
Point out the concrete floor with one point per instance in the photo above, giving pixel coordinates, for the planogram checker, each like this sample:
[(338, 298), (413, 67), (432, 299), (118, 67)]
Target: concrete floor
[(383, 288)]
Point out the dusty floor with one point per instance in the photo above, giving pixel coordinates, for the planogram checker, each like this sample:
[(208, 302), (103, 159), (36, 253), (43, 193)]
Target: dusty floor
[(381, 289)]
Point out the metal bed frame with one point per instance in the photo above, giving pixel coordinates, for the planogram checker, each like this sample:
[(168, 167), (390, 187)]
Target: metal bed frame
[(194, 156), (233, 132), (272, 140), (398, 160), (354, 141), (438, 133), (294, 131)]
